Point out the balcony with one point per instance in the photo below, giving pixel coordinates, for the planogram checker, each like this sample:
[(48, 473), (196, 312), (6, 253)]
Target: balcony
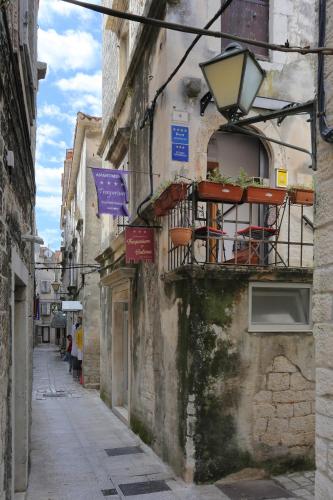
[(276, 233)]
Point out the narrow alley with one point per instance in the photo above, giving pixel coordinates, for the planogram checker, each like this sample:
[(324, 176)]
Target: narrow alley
[(81, 451)]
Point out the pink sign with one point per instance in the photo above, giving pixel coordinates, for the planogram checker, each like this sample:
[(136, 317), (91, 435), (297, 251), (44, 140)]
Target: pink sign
[(139, 244)]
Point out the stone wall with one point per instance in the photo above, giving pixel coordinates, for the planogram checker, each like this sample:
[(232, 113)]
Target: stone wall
[(17, 199), (284, 409), (323, 298), (223, 397)]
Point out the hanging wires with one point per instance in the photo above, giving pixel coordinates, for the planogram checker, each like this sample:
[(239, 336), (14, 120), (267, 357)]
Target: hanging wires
[(149, 114), (202, 31)]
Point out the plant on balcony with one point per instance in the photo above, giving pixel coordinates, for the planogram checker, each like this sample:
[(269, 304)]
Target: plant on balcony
[(301, 195), (219, 188), (167, 198), (258, 193)]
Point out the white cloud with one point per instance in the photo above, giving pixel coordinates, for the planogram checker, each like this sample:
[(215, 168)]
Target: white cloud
[(51, 237), (83, 92), (87, 103), (48, 134), (48, 9), (49, 205), (48, 180), (71, 50), (54, 111), (83, 83)]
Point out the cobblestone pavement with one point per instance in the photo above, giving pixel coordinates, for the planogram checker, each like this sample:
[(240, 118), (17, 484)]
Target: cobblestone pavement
[(71, 431)]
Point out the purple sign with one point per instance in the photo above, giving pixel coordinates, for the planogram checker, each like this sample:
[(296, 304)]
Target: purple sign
[(111, 190)]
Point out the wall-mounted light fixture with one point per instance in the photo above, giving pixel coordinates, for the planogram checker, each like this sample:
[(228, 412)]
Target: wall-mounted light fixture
[(234, 79)]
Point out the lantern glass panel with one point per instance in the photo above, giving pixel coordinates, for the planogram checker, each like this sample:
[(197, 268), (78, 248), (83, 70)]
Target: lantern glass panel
[(224, 79), (252, 79)]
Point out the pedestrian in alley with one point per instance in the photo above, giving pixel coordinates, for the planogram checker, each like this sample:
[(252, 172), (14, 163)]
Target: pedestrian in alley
[(68, 355), (75, 351)]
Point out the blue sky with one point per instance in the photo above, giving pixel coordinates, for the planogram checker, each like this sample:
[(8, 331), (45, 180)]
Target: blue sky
[(69, 41)]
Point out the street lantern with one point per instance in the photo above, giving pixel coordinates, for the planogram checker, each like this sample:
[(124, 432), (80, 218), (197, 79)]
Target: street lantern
[(234, 79), (55, 285)]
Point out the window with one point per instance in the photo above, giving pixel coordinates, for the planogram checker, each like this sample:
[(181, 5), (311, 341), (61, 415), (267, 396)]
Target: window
[(45, 287), (279, 307), (247, 18), (45, 309)]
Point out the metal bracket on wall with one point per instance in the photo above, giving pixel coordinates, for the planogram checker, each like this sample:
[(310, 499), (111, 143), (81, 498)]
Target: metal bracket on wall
[(309, 108), (204, 101)]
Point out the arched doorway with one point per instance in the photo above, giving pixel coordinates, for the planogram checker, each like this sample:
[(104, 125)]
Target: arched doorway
[(231, 153)]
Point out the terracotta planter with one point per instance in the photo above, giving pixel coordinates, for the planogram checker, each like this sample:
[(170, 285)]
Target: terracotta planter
[(214, 191), (301, 196), (180, 236), (172, 195), (266, 196)]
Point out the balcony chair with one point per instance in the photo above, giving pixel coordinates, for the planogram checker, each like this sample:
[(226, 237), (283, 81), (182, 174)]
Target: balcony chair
[(259, 239)]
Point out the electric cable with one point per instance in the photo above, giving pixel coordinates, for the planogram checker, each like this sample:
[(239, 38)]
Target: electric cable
[(150, 112), (304, 50)]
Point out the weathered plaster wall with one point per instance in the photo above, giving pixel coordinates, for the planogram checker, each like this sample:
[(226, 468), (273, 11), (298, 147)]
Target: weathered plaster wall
[(88, 235), (106, 346), (91, 246), (243, 398)]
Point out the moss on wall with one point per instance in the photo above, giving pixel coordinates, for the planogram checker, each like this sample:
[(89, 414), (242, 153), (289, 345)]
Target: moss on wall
[(205, 360), (139, 428)]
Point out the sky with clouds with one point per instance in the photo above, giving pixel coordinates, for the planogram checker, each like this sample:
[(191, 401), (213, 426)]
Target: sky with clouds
[(69, 41)]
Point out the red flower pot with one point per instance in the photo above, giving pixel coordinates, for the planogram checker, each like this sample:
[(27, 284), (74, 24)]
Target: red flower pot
[(264, 195), (299, 196), (180, 236), (172, 195), (214, 191)]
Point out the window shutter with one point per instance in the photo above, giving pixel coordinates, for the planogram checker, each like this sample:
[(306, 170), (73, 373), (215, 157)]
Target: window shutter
[(45, 287), (46, 309), (247, 18)]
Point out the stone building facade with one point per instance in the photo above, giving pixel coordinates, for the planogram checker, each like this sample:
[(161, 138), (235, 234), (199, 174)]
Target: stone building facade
[(81, 235), (19, 74), (323, 292), (182, 361), (48, 301)]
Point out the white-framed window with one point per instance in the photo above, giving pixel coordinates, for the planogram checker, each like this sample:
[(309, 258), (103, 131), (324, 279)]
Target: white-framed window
[(45, 309), (45, 286), (280, 307)]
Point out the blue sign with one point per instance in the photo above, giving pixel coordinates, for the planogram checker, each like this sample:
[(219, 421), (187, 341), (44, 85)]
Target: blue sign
[(179, 134), (180, 152)]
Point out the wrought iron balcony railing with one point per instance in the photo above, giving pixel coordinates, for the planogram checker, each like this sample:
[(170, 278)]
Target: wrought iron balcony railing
[(243, 234)]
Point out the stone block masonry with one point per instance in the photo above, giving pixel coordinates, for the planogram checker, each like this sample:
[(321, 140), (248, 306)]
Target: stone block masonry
[(323, 293), (283, 410), (17, 199)]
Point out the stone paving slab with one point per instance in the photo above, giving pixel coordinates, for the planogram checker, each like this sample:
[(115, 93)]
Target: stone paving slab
[(70, 434)]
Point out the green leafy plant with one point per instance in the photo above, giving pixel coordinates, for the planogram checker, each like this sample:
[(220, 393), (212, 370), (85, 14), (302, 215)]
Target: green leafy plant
[(216, 176), (293, 187), (243, 179)]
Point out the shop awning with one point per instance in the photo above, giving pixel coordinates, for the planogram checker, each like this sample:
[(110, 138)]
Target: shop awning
[(71, 305)]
